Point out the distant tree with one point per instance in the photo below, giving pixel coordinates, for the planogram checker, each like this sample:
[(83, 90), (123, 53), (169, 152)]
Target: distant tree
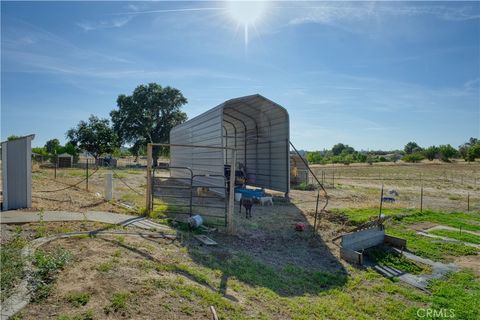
[(52, 145), (464, 149), (340, 147), (446, 152), (95, 136), (473, 152), (40, 151), (412, 147), (314, 157), (431, 152), (414, 157), (148, 115), (12, 137)]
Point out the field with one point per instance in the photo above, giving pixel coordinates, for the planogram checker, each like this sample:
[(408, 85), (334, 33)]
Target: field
[(267, 270)]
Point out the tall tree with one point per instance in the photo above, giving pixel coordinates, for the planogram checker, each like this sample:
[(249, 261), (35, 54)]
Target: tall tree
[(95, 136), (446, 152), (148, 115), (431, 152), (412, 147), (52, 145)]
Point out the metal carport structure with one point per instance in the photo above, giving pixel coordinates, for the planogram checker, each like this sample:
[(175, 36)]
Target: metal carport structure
[(255, 126)]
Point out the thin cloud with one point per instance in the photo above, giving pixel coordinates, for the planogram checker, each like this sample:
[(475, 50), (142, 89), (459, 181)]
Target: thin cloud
[(103, 24), (135, 12), (329, 14)]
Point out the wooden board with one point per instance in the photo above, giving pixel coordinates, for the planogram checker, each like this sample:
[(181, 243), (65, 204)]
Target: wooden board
[(205, 240)]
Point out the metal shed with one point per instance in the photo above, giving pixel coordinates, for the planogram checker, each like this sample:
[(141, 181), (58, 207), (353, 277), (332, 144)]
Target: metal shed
[(64, 160), (17, 173), (255, 126)]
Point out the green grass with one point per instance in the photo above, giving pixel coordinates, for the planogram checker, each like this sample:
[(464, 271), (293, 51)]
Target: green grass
[(87, 315), (118, 302), (468, 221), (431, 248), (78, 299), (396, 260), (12, 265), (461, 236), (459, 291), (361, 215), (105, 266)]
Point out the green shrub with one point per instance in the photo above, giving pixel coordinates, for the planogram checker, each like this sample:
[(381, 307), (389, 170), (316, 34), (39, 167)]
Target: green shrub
[(414, 157)]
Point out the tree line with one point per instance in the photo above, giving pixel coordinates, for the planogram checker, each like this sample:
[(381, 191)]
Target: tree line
[(412, 152)]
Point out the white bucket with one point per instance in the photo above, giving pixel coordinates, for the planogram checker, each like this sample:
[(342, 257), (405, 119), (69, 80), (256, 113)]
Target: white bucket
[(238, 196), (195, 221)]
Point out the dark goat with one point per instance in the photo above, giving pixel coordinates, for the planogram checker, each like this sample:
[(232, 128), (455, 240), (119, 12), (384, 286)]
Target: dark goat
[(248, 204)]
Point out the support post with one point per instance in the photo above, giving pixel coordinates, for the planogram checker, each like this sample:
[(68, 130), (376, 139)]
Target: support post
[(421, 198), (86, 172), (381, 204), (231, 191), (56, 165), (468, 201), (148, 193), (108, 186)]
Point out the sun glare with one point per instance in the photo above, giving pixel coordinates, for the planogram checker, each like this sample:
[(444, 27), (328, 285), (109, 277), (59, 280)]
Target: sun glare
[(246, 14)]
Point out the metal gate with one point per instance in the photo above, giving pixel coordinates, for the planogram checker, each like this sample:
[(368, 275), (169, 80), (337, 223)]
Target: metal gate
[(182, 195)]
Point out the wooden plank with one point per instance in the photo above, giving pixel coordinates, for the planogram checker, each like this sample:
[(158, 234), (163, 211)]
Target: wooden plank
[(205, 240)]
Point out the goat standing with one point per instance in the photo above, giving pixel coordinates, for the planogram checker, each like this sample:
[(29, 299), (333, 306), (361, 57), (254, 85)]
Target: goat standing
[(248, 204)]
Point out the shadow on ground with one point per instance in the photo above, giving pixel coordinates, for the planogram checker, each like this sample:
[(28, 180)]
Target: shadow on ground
[(267, 252)]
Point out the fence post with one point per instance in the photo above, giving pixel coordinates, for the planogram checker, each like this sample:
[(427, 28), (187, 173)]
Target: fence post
[(231, 198), (56, 165), (468, 201), (148, 202), (333, 176), (421, 198), (381, 204), (86, 171), (108, 186)]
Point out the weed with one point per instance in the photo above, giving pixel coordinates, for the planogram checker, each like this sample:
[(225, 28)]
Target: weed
[(396, 260), (118, 302), (12, 265), (87, 315), (47, 266), (105, 266), (41, 229), (78, 299)]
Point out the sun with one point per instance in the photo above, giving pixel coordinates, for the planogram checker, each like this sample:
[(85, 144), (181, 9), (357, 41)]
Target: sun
[(246, 14)]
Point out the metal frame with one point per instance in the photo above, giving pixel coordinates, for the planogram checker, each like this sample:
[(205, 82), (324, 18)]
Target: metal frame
[(231, 204)]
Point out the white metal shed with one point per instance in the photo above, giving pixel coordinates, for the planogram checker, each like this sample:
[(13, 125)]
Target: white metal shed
[(254, 125), (17, 173)]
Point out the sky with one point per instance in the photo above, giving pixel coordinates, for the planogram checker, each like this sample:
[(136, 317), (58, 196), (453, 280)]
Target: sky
[(374, 75)]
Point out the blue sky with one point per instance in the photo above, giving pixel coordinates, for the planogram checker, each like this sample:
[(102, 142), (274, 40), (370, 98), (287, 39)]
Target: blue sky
[(370, 74)]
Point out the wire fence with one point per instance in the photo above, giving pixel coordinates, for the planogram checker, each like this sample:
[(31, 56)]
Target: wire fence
[(412, 187)]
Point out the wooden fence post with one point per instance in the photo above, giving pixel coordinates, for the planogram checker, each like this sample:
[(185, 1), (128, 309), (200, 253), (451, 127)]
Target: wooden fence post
[(421, 198), (148, 193), (468, 201)]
